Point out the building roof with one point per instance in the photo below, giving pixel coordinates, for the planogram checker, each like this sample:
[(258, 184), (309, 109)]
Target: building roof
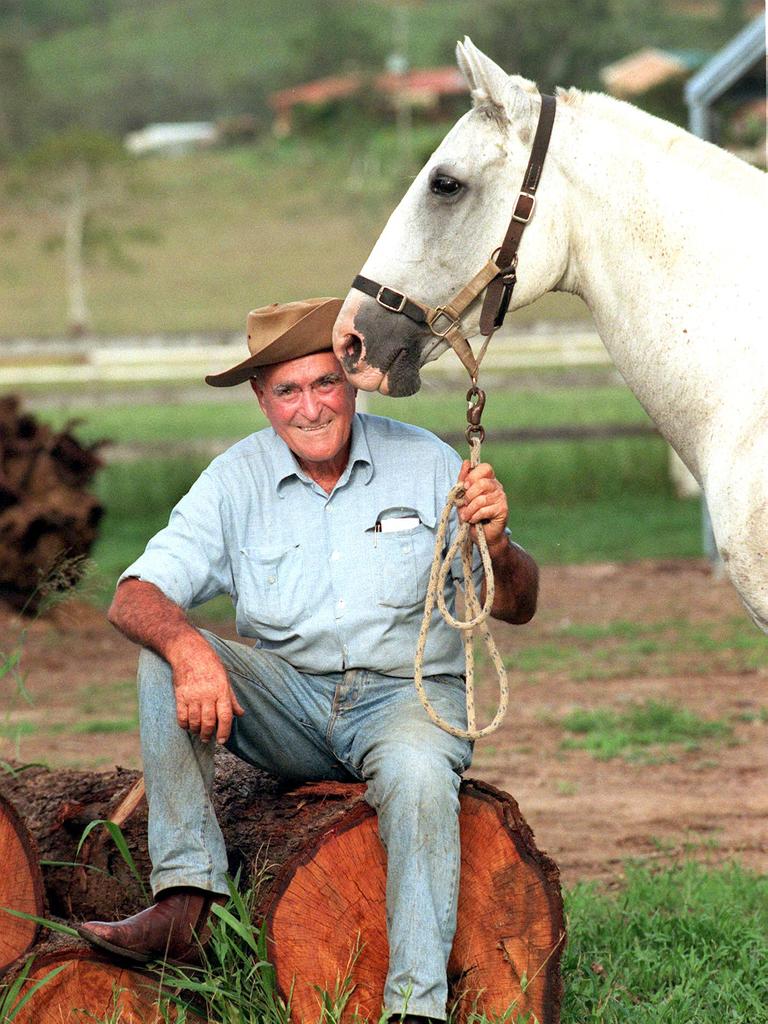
[(638, 72), (420, 83), (172, 136), (322, 90)]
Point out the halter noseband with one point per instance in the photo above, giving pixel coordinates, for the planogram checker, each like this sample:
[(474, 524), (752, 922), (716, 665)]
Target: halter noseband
[(499, 275)]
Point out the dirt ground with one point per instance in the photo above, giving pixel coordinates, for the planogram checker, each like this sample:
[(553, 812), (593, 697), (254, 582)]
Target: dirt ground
[(71, 702)]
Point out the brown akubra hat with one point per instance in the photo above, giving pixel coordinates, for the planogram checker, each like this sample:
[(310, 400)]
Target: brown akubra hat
[(282, 331)]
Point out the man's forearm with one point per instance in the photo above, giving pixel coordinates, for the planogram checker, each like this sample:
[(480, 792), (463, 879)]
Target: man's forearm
[(516, 582), (146, 616)]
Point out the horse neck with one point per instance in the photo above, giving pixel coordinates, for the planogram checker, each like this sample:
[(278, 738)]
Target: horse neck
[(648, 244)]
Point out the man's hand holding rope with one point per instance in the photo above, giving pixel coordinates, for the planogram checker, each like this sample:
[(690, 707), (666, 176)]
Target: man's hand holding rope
[(515, 572)]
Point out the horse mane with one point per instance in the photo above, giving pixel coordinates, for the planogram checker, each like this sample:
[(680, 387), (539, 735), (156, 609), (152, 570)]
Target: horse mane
[(666, 136)]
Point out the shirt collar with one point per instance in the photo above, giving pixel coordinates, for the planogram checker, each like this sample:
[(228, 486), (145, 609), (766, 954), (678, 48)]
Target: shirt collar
[(286, 465)]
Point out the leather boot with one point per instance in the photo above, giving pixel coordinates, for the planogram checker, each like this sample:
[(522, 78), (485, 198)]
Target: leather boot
[(174, 928)]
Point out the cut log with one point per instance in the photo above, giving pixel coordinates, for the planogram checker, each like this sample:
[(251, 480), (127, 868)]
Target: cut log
[(48, 521), (327, 917), (325, 898), (75, 985), (21, 886)]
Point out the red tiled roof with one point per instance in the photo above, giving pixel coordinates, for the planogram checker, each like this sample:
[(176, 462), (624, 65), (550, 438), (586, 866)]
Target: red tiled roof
[(446, 81), (320, 91), (425, 82)]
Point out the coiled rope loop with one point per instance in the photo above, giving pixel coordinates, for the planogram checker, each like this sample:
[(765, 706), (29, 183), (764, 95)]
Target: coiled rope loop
[(476, 616)]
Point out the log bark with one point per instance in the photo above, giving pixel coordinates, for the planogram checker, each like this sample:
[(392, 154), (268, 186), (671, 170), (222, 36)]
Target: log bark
[(324, 901), (21, 886)]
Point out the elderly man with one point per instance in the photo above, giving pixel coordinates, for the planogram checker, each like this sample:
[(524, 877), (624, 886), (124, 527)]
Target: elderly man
[(321, 529)]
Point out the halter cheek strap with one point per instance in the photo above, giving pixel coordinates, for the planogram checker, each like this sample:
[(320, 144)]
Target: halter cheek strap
[(499, 275)]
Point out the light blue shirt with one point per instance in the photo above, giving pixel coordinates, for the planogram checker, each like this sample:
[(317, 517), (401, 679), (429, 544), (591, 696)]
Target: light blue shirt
[(309, 573)]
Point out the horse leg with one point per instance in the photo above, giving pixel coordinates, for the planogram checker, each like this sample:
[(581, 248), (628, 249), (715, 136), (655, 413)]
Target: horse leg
[(738, 507)]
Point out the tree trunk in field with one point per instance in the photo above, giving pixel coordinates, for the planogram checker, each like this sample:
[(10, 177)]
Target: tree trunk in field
[(21, 886), (75, 985), (74, 255), (324, 901), (48, 521)]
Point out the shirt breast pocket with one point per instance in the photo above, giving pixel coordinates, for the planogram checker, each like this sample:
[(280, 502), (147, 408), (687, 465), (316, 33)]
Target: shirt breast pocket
[(401, 564), (272, 585)]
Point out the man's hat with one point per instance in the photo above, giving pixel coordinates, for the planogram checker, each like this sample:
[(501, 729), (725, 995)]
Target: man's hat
[(282, 331)]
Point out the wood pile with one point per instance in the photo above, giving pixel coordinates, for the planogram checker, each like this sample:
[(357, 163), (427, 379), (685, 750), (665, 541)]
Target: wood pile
[(322, 900)]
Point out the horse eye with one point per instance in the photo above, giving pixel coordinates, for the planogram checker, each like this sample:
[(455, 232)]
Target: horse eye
[(445, 185)]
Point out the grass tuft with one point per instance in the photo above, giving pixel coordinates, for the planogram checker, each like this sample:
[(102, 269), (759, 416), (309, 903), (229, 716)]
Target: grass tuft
[(641, 733)]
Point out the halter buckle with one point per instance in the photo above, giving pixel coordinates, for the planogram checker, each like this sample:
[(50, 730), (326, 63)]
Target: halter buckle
[(524, 207), (452, 323), (393, 308)]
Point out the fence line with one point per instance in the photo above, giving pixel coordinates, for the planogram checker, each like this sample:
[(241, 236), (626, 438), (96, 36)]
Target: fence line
[(116, 360), (133, 452)]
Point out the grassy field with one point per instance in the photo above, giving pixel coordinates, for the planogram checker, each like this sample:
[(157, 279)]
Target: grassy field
[(233, 229)]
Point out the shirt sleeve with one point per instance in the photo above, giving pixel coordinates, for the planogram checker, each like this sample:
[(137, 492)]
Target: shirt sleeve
[(188, 560)]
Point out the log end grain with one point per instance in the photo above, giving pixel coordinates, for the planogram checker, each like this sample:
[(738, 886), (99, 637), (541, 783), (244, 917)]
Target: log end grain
[(21, 885), (76, 985), (510, 930)]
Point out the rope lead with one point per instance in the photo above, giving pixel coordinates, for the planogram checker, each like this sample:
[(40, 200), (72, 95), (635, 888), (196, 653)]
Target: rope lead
[(476, 616)]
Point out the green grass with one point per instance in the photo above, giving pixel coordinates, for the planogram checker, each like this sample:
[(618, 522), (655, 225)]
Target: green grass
[(620, 649), (686, 945), (236, 229), (683, 945), (138, 421), (642, 733)]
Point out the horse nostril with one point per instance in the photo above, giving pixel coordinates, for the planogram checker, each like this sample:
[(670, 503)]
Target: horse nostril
[(353, 349)]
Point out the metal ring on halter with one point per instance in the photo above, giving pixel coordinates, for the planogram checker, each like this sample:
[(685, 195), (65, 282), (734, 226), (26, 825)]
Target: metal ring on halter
[(472, 431)]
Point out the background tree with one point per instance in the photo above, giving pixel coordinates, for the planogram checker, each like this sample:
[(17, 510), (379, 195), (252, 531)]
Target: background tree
[(78, 176)]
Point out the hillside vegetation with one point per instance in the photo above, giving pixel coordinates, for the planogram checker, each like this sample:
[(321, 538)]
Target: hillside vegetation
[(220, 232), (118, 64)]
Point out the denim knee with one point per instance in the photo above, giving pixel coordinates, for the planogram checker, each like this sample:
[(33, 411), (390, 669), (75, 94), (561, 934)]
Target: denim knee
[(413, 784), (151, 665)]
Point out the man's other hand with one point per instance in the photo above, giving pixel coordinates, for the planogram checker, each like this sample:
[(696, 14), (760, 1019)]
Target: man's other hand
[(484, 502), (205, 701)]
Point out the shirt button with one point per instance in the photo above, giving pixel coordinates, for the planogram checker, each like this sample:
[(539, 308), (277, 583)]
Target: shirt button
[(270, 579), (341, 602), (335, 556)]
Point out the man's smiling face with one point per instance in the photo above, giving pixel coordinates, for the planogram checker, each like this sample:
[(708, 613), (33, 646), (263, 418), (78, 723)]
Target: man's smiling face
[(310, 405)]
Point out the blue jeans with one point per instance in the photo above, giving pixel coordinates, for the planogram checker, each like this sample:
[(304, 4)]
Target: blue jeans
[(305, 727)]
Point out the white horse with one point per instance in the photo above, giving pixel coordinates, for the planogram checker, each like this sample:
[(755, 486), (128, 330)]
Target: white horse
[(662, 235)]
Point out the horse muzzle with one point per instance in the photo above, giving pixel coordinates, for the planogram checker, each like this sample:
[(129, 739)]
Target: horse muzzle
[(379, 352)]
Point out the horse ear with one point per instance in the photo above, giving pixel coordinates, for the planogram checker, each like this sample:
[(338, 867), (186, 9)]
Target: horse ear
[(490, 84)]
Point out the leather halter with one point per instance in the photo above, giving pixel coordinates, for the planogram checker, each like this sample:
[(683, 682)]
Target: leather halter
[(499, 275)]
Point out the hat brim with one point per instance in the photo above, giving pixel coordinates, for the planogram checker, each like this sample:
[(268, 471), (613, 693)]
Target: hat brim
[(309, 335)]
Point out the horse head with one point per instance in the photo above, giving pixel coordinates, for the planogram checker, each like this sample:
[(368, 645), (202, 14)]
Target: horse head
[(446, 228)]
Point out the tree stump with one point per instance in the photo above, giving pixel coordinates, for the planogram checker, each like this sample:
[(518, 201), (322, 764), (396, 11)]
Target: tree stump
[(48, 521), (324, 899), (21, 886)]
